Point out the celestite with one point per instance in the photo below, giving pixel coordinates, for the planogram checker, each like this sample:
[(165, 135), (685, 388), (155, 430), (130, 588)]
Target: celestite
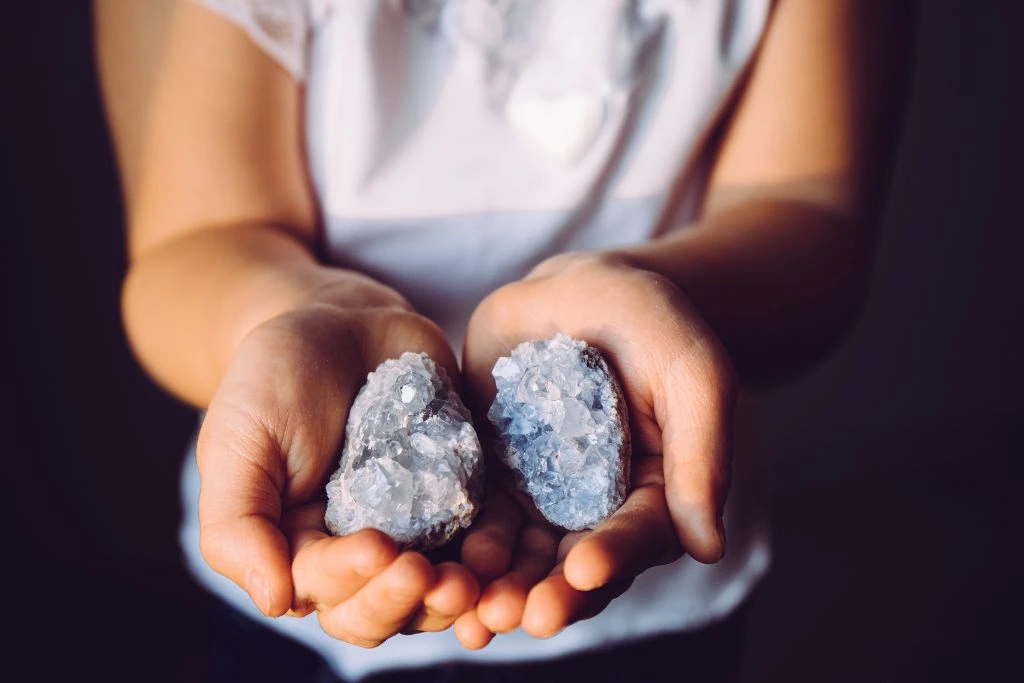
[(412, 466), (560, 417)]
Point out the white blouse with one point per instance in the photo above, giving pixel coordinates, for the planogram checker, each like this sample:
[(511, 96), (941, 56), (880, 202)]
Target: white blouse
[(453, 144)]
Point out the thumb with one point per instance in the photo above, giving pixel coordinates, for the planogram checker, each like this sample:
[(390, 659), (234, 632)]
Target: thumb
[(242, 478), (695, 415)]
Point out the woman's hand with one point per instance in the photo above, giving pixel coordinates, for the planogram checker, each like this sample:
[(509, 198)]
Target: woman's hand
[(680, 391), (270, 439)]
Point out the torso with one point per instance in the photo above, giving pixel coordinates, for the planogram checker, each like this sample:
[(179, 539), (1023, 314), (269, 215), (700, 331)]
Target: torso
[(453, 145)]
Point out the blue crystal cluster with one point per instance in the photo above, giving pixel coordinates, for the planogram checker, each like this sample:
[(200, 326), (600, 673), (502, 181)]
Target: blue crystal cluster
[(562, 429), (412, 465)]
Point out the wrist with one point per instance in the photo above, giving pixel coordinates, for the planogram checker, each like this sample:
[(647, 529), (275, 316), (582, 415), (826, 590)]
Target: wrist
[(629, 279), (313, 287), (350, 290), (188, 303)]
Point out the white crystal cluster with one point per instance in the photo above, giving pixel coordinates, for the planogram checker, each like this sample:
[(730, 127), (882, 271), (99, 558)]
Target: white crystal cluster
[(412, 465), (562, 429)]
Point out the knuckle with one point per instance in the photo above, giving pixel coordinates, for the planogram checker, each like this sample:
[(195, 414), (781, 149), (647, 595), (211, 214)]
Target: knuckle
[(367, 612), (329, 624), (633, 291), (412, 324), (211, 546), (436, 623), (486, 541), (365, 643), (232, 431), (416, 332), (501, 299), (401, 594)]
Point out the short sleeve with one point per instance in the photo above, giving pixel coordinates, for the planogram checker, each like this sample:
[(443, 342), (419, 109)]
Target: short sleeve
[(279, 27)]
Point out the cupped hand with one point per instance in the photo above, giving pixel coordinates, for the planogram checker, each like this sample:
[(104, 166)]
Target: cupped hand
[(679, 387), (270, 439)]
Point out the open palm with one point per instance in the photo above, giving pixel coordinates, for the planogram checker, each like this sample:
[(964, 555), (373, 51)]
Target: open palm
[(679, 388), (269, 440)]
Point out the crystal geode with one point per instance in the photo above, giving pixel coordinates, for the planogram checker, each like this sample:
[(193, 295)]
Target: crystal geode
[(562, 429), (412, 466)]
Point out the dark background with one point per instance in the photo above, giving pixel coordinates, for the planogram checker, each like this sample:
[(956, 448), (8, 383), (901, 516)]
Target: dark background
[(896, 463)]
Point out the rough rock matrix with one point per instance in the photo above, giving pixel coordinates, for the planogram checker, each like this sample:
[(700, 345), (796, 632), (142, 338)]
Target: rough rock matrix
[(562, 429), (412, 466)]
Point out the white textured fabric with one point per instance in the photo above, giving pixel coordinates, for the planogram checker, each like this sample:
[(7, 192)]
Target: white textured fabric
[(455, 143)]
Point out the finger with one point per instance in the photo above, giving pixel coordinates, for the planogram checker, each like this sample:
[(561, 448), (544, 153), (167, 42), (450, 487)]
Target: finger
[(487, 548), (550, 607), (501, 605), (240, 506), (454, 593), (471, 632), (639, 535), (329, 569), (678, 380), (696, 417), (384, 605), (553, 604)]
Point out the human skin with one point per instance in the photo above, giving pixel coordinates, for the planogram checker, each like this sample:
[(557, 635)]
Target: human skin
[(767, 281), (228, 305)]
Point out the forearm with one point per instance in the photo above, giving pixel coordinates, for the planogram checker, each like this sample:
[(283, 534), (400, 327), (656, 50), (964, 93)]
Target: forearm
[(780, 282), (779, 263), (188, 302)]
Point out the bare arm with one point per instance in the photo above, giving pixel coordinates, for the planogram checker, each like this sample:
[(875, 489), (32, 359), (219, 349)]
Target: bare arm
[(227, 305), (221, 216), (778, 262), (768, 279)]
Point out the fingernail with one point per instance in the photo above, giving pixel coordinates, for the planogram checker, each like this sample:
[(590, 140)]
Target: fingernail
[(259, 590)]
